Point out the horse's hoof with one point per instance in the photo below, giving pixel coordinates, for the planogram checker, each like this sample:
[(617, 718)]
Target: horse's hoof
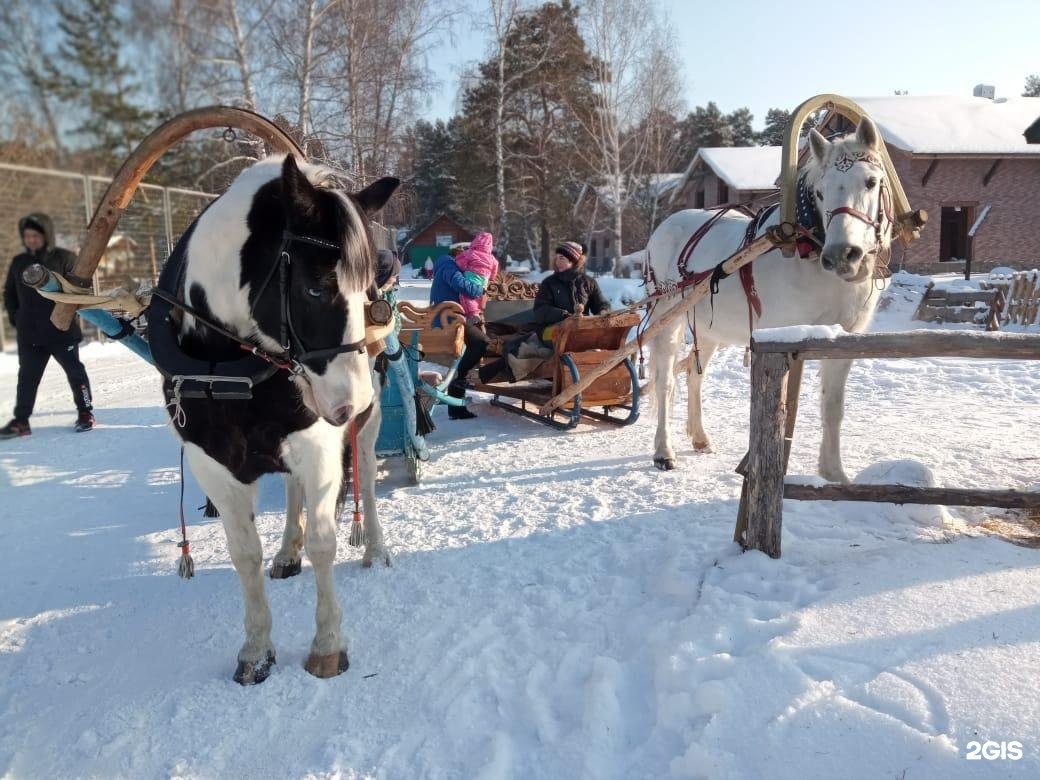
[(248, 673), (366, 561), (283, 571), (702, 446), (325, 666), (664, 464)]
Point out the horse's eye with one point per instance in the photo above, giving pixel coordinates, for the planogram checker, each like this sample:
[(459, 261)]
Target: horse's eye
[(314, 292), (871, 183), (819, 195)]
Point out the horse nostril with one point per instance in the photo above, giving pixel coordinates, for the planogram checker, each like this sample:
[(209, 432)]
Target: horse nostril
[(342, 414), (827, 263), (853, 253)]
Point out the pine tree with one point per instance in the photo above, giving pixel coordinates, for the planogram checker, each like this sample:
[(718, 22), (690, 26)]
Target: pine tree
[(703, 127), (432, 148), (777, 120), (92, 82), (546, 74), (1032, 86), (740, 127)]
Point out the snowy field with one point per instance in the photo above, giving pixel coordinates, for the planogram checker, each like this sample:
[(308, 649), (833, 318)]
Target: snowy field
[(557, 608)]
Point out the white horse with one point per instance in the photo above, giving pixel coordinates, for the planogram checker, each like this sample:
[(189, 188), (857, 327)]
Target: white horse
[(844, 181)]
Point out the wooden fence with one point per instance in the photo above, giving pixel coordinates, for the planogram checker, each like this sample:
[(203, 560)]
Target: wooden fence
[(1021, 294), (776, 371)]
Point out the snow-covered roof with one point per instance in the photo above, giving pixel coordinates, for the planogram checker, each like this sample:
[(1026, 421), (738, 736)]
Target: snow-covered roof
[(743, 167), (740, 167), (660, 183), (954, 124), (657, 183)]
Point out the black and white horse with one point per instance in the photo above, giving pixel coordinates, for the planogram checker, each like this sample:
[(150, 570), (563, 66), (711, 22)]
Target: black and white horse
[(282, 262)]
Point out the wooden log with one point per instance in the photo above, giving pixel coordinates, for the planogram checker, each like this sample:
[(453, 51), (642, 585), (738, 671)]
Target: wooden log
[(939, 313), (906, 344), (733, 264), (120, 192), (766, 464), (963, 297), (907, 494), (794, 386)]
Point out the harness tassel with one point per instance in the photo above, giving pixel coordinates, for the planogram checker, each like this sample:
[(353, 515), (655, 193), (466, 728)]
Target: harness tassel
[(357, 530), (186, 565)]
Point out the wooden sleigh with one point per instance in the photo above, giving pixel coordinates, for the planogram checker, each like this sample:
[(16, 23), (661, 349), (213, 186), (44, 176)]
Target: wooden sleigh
[(579, 344)]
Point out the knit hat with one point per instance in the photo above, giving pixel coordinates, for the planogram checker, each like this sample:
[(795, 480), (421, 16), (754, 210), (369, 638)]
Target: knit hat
[(573, 251), (387, 266)]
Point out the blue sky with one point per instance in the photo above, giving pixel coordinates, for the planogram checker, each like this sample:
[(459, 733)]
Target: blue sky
[(759, 54)]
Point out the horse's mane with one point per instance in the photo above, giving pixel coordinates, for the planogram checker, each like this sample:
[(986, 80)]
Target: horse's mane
[(357, 261)]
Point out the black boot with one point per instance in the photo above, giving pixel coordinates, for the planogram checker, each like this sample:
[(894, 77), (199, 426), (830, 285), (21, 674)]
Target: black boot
[(457, 389)]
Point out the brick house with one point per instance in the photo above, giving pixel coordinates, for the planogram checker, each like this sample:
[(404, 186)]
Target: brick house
[(722, 175), (969, 162)]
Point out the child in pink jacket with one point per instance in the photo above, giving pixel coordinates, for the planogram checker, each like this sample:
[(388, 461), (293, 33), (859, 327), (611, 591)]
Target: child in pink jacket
[(479, 265)]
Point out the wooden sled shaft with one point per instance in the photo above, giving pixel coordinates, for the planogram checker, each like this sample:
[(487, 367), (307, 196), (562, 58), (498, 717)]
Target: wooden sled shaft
[(730, 266)]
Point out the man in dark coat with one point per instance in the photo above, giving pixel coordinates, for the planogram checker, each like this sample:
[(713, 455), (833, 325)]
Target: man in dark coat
[(562, 294), (38, 339)]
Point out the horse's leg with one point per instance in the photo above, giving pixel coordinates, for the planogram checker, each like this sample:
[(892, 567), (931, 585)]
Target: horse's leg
[(833, 374), (287, 563), (662, 362), (315, 457), (694, 416), (236, 503), (375, 548)]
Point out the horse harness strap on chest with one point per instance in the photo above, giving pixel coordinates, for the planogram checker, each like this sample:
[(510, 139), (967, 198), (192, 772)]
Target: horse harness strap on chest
[(195, 378), (747, 277)]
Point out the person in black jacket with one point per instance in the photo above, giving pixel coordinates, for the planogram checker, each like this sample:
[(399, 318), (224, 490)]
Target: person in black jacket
[(38, 339), (562, 292), (565, 292)]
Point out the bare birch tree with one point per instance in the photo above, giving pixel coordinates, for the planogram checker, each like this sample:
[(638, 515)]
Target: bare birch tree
[(22, 63), (375, 81), (634, 79)]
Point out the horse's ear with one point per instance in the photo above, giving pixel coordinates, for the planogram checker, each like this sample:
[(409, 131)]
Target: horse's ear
[(818, 144), (375, 195), (867, 133), (298, 192)]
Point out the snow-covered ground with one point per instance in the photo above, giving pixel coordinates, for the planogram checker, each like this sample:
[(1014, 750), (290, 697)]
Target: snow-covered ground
[(557, 608)]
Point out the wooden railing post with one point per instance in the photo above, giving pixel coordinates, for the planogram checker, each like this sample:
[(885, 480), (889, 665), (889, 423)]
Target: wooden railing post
[(765, 496), (794, 386)]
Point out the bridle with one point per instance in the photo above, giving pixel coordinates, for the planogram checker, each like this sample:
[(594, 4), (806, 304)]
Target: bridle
[(378, 315), (844, 163)]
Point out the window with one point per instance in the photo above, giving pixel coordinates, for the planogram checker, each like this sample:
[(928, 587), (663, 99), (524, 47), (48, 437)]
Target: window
[(723, 192), (698, 199), (594, 253), (954, 243)]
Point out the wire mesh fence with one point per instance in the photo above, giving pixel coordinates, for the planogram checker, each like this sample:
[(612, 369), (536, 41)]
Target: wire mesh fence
[(147, 231)]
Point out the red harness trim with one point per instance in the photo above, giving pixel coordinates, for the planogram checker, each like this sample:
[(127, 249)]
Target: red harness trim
[(747, 277)]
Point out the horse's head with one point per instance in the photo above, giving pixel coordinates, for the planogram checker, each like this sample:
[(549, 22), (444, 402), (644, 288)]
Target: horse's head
[(329, 269), (846, 179)]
